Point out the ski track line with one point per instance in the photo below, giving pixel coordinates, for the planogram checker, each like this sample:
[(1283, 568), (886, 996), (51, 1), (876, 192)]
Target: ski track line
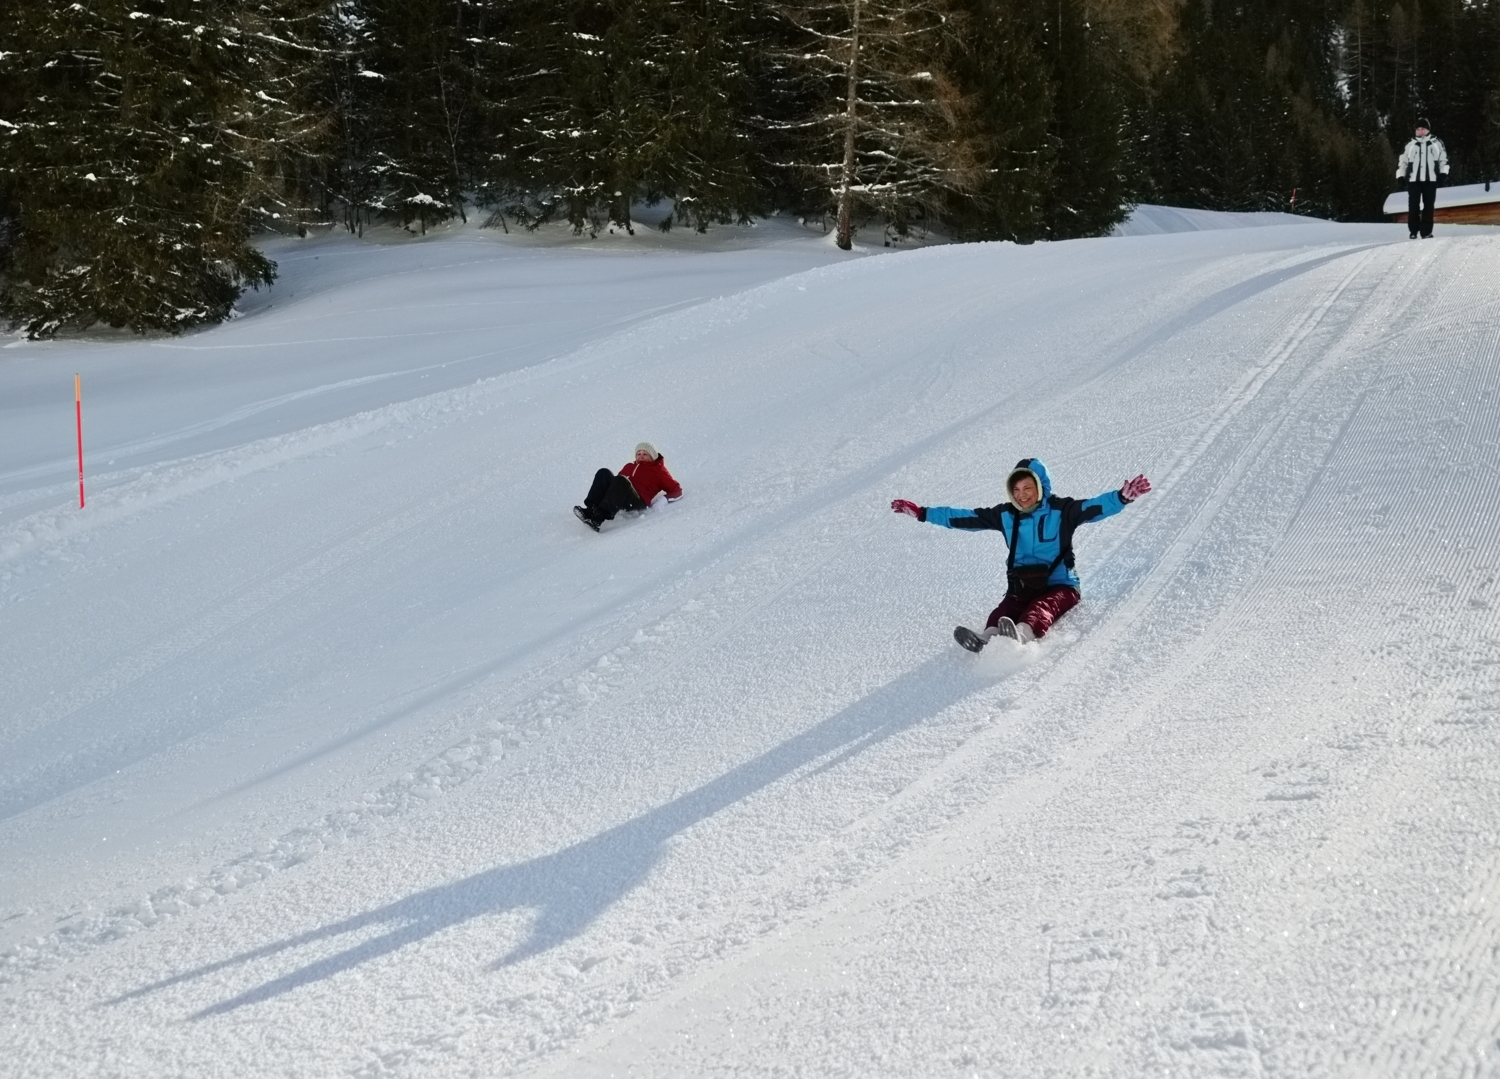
[(1240, 396), (1227, 625), (244, 412), (1255, 380), (1119, 618), (1406, 299), (1444, 1028), (471, 754), (1419, 1042), (272, 588), (1214, 305), (1024, 795), (332, 558), (1079, 761), (1223, 624), (1201, 444)]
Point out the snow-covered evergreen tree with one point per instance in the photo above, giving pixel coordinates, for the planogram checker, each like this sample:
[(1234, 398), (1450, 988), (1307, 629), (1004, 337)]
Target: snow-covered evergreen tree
[(1087, 192), (410, 97), (138, 137), (1004, 74), (611, 102), (889, 123)]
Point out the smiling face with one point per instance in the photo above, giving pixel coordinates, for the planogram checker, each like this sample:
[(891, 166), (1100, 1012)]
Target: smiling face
[(1024, 493), (642, 457)]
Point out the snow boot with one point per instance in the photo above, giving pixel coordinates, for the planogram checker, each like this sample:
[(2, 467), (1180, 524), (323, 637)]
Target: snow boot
[(969, 639), (1020, 632), (586, 517)]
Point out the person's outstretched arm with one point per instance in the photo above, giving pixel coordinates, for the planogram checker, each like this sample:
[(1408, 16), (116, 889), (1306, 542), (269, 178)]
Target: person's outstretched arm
[(950, 516), (1110, 502)]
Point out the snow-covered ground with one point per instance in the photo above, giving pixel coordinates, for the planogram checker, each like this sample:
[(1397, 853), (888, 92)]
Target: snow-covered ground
[(332, 744), (1149, 220)]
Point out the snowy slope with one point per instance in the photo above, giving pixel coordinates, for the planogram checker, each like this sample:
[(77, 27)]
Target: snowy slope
[(1148, 220), (332, 744)]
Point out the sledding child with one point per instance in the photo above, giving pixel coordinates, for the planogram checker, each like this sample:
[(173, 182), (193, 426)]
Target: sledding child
[(1040, 585), (638, 483)]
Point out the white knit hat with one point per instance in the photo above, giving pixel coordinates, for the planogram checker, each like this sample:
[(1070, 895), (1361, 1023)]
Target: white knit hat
[(639, 446)]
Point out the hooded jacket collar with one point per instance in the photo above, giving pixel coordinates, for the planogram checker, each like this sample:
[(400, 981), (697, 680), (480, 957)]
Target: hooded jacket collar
[(1036, 470)]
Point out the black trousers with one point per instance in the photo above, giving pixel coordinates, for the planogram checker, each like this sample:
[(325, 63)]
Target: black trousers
[(609, 494), (1420, 197)]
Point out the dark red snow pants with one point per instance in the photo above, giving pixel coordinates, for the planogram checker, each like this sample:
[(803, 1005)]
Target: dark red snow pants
[(1038, 611)]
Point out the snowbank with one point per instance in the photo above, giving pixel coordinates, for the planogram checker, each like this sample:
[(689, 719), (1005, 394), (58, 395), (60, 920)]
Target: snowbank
[(1148, 220)]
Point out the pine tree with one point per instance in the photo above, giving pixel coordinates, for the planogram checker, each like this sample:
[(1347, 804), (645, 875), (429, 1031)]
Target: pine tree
[(1089, 189), (1255, 108), (408, 90), (888, 123), (997, 63), (351, 179), (607, 103), (1401, 59), (138, 135)]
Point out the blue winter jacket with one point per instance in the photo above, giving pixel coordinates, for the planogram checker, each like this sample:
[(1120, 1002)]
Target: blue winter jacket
[(1040, 537)]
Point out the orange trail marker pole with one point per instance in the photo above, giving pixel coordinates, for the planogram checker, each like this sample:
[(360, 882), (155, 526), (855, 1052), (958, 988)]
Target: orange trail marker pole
[(78, 411)]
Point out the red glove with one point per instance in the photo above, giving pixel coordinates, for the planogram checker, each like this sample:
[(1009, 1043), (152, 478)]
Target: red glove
[(911, 509), (1133, 489)]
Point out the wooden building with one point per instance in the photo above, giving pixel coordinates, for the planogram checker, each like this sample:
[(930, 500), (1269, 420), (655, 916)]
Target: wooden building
[(1467, 204)]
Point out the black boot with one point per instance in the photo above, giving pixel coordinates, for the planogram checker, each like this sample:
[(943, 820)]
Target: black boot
[(968, 638), (586, 517)]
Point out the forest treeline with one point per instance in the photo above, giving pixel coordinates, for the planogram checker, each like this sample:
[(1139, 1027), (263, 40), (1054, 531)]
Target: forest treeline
[(143, 143)]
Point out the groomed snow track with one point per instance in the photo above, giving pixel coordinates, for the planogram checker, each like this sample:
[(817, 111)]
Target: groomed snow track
[(371, 761)]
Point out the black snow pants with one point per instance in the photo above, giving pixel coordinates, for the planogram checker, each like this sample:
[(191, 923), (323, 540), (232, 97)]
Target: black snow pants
[(1420, 197), (610, 494)]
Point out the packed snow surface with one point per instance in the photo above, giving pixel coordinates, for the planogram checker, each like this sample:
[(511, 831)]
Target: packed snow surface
[(332, 744), (1148, 220)]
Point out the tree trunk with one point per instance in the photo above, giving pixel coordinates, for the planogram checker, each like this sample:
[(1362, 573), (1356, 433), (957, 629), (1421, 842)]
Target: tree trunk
[(846, 211)]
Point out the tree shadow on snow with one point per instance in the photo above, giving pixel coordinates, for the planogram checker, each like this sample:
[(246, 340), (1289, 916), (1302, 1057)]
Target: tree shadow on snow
[(568, 890)]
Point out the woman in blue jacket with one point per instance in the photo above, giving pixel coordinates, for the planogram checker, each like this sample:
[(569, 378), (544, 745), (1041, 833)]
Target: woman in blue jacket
[(1040, 585)]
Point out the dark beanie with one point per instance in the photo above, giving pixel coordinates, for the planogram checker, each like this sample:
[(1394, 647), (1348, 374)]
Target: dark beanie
[(1422, 122)]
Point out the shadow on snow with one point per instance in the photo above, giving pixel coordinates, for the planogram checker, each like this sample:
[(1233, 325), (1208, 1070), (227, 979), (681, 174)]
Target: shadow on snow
[(568, 890)]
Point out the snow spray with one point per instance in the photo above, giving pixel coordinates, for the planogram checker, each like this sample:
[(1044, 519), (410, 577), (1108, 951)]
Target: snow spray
[(78, 413)]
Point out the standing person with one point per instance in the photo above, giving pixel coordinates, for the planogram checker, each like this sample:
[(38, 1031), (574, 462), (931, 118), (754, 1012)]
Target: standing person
[(638, 483), (1422, 162), (1040, 585)]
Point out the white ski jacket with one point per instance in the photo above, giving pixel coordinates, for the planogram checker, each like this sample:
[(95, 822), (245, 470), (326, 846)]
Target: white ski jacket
[(1424, 160)]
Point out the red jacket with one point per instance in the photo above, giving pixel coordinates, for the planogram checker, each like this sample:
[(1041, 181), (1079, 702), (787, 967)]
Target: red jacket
[(651, 479)]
